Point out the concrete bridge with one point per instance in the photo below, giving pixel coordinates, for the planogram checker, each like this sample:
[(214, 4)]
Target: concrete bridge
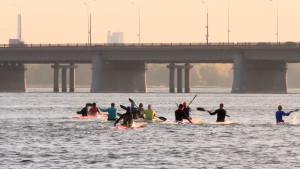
[(258, 67)]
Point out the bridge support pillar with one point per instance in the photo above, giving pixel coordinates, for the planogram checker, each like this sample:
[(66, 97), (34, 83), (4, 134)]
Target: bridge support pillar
[(172, 77), (238, 74), (12, 77), (56, 77), (259, 76), (179, 80), (118, 76), (64, 80), (64, 68), (187, 77), (72, 78)]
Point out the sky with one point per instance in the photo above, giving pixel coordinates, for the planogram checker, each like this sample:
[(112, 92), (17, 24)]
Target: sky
[(162, 21)]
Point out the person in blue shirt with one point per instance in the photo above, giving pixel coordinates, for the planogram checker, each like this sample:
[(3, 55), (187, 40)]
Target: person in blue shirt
[(112, 112), (187, 110), (281, 113)]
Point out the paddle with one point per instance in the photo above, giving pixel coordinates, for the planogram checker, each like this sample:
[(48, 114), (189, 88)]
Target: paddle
[(192, 100), (123, 107), (131, 101), (202, 109), (296, 110), (162, 118)]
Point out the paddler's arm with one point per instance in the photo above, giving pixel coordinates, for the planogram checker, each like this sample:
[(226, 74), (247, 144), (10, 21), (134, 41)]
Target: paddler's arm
[(287, 114), (187, 118), (226, 114), (117, 121), (99, 112), (104, 110), (212, 113)]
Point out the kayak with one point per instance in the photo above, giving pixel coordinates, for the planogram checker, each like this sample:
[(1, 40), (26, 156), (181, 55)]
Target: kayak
[(90, 116), (222, 123), (285, 123), (195, 121), (148, 121), (107, 121), (134, 126)]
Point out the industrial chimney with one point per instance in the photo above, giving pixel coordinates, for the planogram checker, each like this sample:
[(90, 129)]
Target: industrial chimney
[(19, 27), (18, 41)]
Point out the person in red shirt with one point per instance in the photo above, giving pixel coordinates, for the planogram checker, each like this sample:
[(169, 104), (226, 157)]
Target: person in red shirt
[(94, 110)]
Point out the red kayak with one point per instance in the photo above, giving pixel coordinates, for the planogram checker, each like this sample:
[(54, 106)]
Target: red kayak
[(90, 116), (135, 125)]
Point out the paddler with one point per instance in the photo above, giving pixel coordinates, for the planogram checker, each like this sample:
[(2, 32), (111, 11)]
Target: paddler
[(180, 114), (221, 113), (187, 110), (134, 111), (149, 113), (127, 118), (84, 111), (141, 111), (112, 112), (94, 110), (281, 113)]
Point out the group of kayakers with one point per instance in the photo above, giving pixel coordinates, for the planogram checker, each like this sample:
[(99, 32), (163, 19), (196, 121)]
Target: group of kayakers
[(138, 112)]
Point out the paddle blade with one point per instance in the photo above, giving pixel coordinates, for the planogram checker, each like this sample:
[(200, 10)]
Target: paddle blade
[(200, 109), (162, 118), (79, 112), (123, 107), (131, 101), (296, 110)]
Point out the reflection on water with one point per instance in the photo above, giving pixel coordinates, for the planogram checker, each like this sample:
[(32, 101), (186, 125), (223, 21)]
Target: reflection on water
[(37, 131)]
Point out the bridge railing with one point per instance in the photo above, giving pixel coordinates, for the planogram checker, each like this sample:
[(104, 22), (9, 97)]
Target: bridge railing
[(149, 44)]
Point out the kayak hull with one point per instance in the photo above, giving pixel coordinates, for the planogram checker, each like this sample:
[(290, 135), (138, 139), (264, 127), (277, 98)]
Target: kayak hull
[(136, 125), (148, 121), (90, 116), (194, 121), (222, 123)]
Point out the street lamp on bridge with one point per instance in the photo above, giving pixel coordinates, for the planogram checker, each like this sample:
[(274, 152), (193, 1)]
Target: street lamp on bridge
[(277, 12), (228, 30), (206, 21), (89, 22), (139, 34)]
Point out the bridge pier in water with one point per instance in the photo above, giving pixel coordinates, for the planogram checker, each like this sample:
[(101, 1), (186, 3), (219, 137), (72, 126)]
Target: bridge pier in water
[(118, 76), (64, 68), (259, 76), (187, 77), (12, 77)]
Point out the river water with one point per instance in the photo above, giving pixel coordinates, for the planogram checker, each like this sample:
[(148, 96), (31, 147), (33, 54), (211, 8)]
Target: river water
[(37, 131)]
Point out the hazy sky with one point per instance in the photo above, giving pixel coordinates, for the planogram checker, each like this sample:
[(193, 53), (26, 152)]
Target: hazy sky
[(65, 21)]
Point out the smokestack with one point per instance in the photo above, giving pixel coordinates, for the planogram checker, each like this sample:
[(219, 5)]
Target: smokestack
[(19, 27)]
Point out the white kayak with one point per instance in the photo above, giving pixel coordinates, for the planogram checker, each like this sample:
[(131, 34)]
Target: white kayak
[(222, 123), (195, 121)]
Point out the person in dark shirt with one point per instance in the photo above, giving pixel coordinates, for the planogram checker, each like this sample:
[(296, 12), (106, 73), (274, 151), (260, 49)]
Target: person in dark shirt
[(186, 110), (141, 111), (221, 113), (127, 118), (180, 114), (84, 111)]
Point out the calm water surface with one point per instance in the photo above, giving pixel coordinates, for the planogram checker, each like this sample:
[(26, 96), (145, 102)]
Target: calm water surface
[(37, 131)]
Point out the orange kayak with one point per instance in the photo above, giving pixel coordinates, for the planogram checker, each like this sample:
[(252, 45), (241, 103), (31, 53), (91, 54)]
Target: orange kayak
[(90, 116), (136, 125)]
